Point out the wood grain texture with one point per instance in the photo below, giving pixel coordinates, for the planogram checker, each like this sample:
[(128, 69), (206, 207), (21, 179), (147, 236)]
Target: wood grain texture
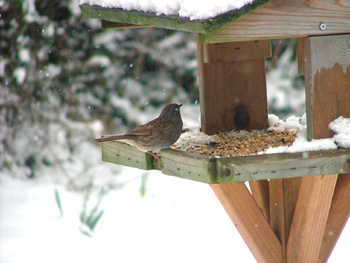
[(260, 192), (190, 166), (232, 94), (338, 216), (273, 166), (301, 53), (283, 198), (228, 52), (286, 19), (122, 153), (327, 82), (250, 222), (233, 169), (310, 218)]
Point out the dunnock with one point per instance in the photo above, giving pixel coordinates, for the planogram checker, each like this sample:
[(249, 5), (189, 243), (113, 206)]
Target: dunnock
[(155, 135)]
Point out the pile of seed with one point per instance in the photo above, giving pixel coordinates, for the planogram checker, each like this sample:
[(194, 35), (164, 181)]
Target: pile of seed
[(226, 144)]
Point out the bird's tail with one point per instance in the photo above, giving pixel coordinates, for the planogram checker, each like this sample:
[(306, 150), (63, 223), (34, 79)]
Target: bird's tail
[(112, 138)]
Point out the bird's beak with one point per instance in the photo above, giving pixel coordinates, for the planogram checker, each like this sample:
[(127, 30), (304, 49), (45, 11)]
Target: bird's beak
[(179, 105)]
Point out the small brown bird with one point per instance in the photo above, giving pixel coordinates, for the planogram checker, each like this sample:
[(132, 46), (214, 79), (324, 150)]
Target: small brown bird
[(155, 135)]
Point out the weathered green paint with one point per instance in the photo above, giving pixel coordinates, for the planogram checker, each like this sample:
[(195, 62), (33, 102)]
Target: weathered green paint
[(121, 153), (170, 22), (141, 18), (190, 166), (284, 165), (113, 25), (233, 169)]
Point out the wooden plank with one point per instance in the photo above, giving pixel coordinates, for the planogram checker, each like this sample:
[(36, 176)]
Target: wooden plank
[(260, 192), (228, 52), (301, 53), (310, 218), (250, 222), (232, 94), (169, 22), (122, 153), (284, 165), (234, 169), (286, 19), (190, 166), (115, 25), (283, 198), (327, 82), (338, 216)]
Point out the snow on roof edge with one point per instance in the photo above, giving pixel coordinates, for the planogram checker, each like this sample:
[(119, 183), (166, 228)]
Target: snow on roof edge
[(192, 9)]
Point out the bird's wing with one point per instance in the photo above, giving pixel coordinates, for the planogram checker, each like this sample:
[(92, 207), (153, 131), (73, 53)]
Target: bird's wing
[(145, 129), (140, 130)]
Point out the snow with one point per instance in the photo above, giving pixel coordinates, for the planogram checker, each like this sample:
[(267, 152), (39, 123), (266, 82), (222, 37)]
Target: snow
[(279, 80), (32, 15), (341, 128), (2, 67), (193, 9), (193, 134), (53, 70), (49, 31), (291, 123), (24, 55), (169, 224), (99, 60), (20, 74), (163, 226)]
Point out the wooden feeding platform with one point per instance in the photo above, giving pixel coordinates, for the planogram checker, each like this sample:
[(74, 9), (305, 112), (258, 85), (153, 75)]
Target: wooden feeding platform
[(214, 170), (299, 203)]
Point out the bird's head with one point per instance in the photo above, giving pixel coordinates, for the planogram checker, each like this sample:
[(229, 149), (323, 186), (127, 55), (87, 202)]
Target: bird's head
[(171, 111)]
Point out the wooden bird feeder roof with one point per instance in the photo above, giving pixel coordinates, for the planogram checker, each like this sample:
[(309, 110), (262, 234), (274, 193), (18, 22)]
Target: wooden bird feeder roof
[(262, 19), (127, 18)]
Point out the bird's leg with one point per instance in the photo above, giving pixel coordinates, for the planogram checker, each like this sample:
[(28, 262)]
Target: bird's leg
[(155, 156)]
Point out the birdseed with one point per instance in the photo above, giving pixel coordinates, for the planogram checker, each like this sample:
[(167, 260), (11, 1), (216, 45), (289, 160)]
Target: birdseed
[(228, 144)]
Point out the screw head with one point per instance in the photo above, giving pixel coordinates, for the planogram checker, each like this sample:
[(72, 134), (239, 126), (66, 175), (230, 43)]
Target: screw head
[(323, 26), (227, 172)]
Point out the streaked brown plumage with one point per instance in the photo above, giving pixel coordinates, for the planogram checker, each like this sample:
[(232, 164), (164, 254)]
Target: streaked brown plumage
[(155, 135)]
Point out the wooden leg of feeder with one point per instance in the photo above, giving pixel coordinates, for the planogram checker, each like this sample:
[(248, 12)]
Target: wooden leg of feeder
[(310, 218), (327, 82), (232, 84), (283, 198), (250, 222), (338, 216), (260, 192)]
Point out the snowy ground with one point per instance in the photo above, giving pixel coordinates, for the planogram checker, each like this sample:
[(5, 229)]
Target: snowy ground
[(176, 221)]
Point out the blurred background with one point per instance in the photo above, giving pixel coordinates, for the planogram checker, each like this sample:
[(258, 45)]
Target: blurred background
[(65, 81)]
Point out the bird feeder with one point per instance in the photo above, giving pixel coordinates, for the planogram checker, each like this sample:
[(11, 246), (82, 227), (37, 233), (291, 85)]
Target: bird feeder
[(298, 206)]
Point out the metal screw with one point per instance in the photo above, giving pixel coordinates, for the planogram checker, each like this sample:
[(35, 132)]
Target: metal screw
[(323, 26), (227, 172)]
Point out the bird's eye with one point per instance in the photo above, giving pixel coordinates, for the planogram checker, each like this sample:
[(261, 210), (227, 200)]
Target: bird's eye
[(176, 109)]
